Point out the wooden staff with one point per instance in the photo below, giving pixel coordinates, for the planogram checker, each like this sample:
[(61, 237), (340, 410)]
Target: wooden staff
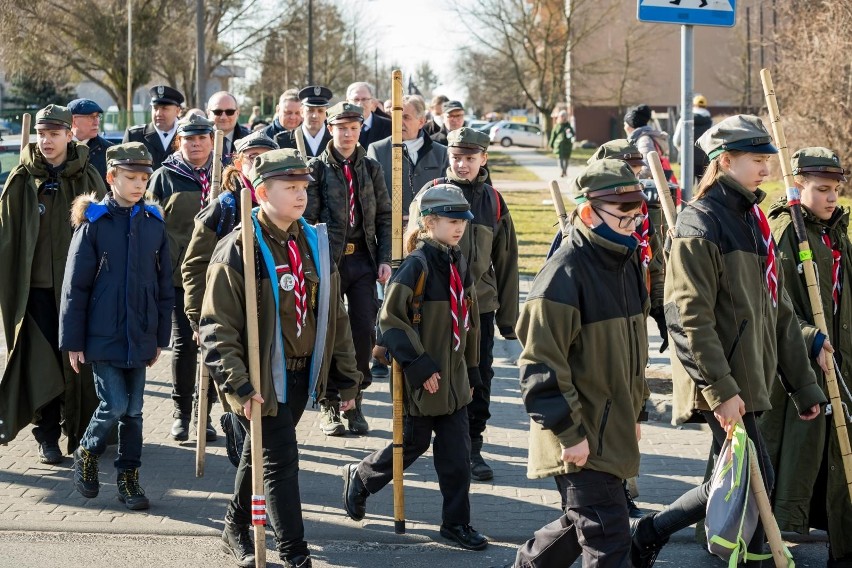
[(558, 204), (396, 249), (662, 188), (26, 124), (767, 519), (258, 498), (809, 270), (203, 374), (300, 142)]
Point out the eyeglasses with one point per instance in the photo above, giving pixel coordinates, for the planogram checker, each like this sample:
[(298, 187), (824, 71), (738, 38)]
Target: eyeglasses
[(226, 111), (624, 221), (357, 101)]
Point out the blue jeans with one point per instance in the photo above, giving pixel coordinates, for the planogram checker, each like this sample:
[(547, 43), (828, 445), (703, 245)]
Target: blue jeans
[(120, 392)]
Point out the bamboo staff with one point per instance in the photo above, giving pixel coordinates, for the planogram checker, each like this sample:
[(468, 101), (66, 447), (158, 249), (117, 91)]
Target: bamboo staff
[(558, 204), (26, 124), (258, 498), (203, 374), (396, 249), (809, 270), (662, 188)]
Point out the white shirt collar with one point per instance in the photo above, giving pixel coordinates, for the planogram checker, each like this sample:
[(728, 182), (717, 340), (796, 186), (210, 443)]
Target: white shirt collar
[(314, 141), (166, 136), (368, 122)]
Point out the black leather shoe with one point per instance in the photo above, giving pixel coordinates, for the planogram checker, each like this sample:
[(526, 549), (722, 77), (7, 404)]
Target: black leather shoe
[(298, 562), (646, 542), (354, 493), (180, 428), (236, 541), (465, 535), (49, 453)]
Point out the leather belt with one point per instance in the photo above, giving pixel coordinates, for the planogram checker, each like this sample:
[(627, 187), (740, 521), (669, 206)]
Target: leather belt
[(297, 363)]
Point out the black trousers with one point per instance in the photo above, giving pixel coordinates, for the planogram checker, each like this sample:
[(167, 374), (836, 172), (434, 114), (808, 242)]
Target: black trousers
[(478, 410), (358, 284), (184, 358), (280, 471), (691, 507), (451, 451), (595, 524), (41, 306)]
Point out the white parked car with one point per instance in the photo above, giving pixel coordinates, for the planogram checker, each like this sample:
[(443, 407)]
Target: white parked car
[(518, 134)]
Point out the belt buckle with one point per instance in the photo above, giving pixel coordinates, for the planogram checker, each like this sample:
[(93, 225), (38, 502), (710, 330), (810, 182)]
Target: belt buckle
[(350, 248)]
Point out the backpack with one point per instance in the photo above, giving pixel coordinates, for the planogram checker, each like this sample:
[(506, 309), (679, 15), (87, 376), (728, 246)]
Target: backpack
[(380, 352)]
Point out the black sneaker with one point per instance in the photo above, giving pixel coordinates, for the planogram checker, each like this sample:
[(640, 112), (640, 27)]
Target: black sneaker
[(86, 473), (633, 511), (465, 535), (129, 491), (646, 542), (298, 562), (236, 540), (49, 453)]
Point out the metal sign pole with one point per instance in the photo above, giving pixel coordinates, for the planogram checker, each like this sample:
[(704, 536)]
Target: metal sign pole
[(687, 168)]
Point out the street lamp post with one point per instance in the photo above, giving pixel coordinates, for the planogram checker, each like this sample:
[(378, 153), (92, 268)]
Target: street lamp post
[(129, 63), (200, 81), (310, 42)]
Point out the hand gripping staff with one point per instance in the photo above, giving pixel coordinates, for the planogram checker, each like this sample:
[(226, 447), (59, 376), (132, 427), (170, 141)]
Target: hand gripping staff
[(806, 259), (203, 373), (396, 249), (258, 497)]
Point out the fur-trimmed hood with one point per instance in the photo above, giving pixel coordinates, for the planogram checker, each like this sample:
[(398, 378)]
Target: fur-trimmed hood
[(81, 213)]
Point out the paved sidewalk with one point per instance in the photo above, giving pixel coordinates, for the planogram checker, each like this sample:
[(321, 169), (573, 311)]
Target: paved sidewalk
[(544, 166)]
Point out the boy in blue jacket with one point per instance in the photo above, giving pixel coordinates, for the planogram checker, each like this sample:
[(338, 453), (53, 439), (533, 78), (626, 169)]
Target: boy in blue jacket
[(117, 299)]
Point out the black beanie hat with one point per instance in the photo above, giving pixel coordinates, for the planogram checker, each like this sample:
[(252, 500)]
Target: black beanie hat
[(637, 116)]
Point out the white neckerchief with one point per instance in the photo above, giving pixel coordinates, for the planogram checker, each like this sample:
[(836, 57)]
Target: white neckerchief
[(314, 141), (166, 136), (413, 146)]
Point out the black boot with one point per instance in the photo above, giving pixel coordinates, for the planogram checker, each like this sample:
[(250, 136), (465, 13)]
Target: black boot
[(647, 542), (298, 562), (86, 473), (49, 453), (211, 434), (479, 470), (180, 427), (355, 417), (465, 535), (236, 540), (129, 491), (633, 511), (354, 493)]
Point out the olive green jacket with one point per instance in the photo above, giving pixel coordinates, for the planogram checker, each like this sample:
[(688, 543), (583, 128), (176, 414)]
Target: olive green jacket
[(728, 337), (798, 448), (33, 376), (427, 348), (585, 347), (490, 247), (223, 328)]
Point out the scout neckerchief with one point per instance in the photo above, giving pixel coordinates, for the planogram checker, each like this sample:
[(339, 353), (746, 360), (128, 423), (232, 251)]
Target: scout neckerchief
[(204, 180), (350, 182), (769, 243), (299, 293), (247, 183), (643, 236), (458, 307), (835, 270)]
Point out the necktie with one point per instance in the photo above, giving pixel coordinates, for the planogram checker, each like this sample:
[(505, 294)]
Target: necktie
[(295, 258), (350, 182), (205, 185), (835, 271), (771, 268), (458, 307)]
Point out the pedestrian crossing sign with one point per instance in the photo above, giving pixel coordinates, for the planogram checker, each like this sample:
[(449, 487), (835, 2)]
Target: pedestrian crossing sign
[(688, 12)]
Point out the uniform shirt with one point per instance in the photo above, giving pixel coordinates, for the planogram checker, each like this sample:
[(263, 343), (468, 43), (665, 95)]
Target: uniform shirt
[(314, 141), (42, 265), (166, 136), (277, 239)]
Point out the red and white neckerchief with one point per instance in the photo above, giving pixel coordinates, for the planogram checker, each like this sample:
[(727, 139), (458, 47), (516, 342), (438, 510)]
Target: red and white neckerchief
[(769, 243), (299, 288), (204, 179), (247, 183), (835, 270), (643, 235), (350, 182), (458, 307)]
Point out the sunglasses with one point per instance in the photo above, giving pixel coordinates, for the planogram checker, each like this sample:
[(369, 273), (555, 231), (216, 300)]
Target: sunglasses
[(225, 111)]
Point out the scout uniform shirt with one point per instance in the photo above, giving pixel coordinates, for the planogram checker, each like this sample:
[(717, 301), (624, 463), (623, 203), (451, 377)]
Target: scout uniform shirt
[(303, 344)]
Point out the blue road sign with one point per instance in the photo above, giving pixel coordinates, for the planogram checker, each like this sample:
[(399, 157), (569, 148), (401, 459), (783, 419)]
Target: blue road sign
[(688, 12)]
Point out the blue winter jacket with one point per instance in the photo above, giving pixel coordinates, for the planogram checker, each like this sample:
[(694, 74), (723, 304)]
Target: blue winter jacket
[(117, 295)]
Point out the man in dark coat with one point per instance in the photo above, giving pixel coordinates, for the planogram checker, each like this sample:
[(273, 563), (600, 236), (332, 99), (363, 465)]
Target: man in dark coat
[(436, 110), (288, 114), (453, 120), (38, 384), (85, 124), (224, 111), (158, 134), (312, 136), (375, 127)]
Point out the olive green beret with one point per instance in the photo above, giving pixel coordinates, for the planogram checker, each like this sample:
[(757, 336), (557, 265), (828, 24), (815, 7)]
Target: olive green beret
[(53, 117), (743, 132), (608, 180), (193, 124), (817, 161), (445, 200), (467, 140), (619, 149), (285, 164), (132, 156), (344, 112), (255, 140)]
